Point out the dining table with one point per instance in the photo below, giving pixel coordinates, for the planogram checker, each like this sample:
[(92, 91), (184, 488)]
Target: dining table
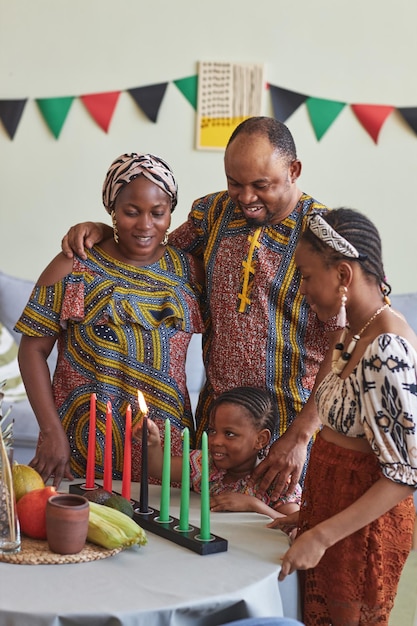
[(161, 583)]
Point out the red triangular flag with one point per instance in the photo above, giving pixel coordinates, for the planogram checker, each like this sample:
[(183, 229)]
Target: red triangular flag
[(372, 117), (149, 98), (101, 107)]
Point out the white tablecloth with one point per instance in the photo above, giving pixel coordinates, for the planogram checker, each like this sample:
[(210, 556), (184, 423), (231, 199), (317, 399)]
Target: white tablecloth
[(160, 583)]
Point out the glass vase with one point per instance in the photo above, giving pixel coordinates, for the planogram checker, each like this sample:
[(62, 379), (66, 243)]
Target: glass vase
[(9, 523)]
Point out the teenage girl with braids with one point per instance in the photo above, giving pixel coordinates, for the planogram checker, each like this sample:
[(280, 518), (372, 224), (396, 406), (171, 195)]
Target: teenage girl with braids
[(242, 422), (356, 519)]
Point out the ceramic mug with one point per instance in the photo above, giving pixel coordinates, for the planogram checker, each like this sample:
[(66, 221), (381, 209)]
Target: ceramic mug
[(67, 523)]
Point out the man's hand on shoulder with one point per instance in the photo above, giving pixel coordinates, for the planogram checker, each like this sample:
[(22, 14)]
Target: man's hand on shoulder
[(82, 236)]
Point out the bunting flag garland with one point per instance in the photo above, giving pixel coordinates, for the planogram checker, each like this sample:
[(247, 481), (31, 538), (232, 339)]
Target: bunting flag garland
[(322, 113), (372, 117), (285, 102), (149, 99), (101, 107), (55, 111), (10, 114)]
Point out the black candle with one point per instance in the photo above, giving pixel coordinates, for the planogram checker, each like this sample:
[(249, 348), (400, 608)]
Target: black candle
[(143, 499)]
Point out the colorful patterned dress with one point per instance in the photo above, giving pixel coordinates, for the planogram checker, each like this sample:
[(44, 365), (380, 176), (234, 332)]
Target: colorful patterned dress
[(119, 329), (376, 402), (259, 330), (217, 484)]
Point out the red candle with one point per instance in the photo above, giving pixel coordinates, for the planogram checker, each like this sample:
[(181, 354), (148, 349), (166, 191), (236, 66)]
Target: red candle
[(127, 459), (107, 480), (91, 452)]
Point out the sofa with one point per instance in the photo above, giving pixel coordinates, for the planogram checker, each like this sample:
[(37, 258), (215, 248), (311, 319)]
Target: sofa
[(14, 293)]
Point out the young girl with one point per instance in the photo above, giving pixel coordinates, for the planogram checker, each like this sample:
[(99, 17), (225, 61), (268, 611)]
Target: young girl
[(357, 513), (241, 425)]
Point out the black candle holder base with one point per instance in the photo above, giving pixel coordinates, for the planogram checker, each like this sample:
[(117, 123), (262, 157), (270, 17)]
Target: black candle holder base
[(170, 530)]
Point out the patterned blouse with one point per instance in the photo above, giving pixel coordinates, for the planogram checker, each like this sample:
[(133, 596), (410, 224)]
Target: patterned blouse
[(217, 484), (260, 331), (378, 401), (120, 328)]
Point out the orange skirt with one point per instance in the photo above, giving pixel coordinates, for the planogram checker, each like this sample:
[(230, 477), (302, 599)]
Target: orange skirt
[(356, 580)]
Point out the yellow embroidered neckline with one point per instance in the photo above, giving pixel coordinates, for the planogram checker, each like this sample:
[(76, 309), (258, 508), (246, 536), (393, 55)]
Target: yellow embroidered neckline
[(248, 272)]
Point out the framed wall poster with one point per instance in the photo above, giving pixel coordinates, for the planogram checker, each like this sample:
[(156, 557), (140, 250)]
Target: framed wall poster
[(227, 94)]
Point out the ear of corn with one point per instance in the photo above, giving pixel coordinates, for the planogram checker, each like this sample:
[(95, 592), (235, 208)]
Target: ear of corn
[(111, 529)]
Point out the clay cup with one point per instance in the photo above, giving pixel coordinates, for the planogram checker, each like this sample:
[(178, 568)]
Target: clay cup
[(67, 523)]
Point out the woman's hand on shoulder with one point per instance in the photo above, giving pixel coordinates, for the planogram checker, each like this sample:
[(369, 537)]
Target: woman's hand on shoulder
[(281, 468)]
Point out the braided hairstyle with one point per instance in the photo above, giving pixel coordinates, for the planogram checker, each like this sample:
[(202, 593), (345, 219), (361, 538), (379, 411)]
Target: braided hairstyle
[(278, 134), (358, 230), (257, 403)]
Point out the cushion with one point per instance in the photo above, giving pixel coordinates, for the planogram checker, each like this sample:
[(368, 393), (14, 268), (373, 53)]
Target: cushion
[(14, 294), (406, 303)]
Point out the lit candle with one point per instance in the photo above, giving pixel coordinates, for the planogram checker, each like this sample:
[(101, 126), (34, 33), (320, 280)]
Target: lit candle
[(185, 481), (127, 458), (166, 475), (107, 479), (91, 451), (143, 499), (205, 494)]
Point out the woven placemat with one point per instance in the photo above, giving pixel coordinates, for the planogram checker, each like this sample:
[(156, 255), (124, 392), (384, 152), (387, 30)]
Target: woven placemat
[(37, 552)]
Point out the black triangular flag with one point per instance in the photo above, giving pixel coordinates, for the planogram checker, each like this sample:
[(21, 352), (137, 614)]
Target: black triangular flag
[(285, 102), (410, 116), (10, 114), (149, 98)]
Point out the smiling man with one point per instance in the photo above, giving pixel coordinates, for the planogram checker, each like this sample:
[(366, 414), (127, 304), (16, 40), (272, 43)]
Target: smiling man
[(259, 330)]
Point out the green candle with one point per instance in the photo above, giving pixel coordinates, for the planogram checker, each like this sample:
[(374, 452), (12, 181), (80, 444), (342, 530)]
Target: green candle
[(166, 475), (205, 494), (185, 481)]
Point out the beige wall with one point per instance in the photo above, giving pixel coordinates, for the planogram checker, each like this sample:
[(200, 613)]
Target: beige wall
[(362, 51)]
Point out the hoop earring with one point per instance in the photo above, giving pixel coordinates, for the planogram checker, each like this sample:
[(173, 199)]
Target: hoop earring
[(115, 231), (341, 316), (165, 239)]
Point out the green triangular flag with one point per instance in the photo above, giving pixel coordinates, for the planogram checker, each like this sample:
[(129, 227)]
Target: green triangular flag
[(323, 113), (55, 111), (188, 88)]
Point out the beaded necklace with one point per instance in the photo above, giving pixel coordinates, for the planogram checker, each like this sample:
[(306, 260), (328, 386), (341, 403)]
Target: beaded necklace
[(339, 357)]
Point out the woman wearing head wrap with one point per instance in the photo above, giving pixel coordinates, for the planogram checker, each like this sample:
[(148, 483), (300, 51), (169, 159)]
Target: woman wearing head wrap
[(123, 319)]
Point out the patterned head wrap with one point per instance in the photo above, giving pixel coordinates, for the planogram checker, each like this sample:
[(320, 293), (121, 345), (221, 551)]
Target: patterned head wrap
[(326, 233), (127, 167)]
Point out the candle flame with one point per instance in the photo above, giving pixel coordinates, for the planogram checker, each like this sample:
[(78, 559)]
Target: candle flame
[(142, 404)]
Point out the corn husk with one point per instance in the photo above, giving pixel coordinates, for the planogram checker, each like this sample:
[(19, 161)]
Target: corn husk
[(111, 529)]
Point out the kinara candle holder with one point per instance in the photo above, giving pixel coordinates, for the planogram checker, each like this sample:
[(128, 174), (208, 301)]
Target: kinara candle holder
[(170, 530)]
